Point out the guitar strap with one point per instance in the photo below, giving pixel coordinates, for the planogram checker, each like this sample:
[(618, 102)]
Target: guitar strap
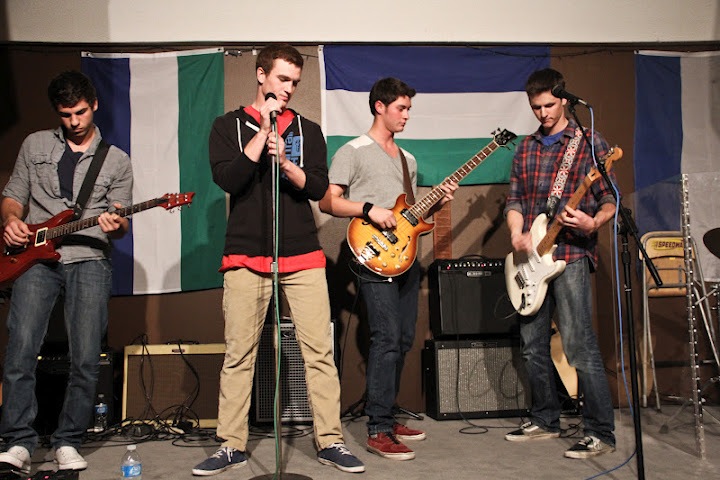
[(562, 174), (407, 186), (90, 177)]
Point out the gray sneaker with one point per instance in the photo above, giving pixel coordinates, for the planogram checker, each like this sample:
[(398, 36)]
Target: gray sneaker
[(589, 447), (530, 431), (18, 457)]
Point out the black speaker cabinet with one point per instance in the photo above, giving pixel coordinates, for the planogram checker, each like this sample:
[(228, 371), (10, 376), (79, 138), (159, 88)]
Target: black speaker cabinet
[(164, 377), (52, 375), (475, 379), (468, 297), (295, 407)]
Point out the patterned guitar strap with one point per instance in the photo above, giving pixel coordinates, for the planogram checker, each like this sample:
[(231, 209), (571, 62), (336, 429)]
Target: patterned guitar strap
[(562, 174)]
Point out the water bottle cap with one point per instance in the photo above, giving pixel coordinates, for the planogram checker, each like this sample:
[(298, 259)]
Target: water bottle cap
[(132, 447)]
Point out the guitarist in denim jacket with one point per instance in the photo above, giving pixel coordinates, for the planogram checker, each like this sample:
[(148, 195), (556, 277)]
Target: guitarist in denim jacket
[(46, 180), (535, 165)]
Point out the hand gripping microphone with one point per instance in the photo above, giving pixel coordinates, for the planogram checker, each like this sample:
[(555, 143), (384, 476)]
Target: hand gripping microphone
[(273, 114), (560, 92)]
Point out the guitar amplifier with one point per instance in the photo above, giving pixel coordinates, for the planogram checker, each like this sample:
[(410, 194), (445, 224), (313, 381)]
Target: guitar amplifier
[(468, 298), (475, 379)]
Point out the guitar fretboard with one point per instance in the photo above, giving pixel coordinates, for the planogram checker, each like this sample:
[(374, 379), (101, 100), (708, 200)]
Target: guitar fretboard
[(423, 205), (77, 225)]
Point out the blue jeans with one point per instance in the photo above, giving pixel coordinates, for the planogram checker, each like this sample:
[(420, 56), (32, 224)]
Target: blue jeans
[(86, 288), (392, 313), (570, 295)]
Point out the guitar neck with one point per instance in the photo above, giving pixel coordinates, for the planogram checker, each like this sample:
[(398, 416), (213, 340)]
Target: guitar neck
[(422, 206), (549, 239), (77, 225)]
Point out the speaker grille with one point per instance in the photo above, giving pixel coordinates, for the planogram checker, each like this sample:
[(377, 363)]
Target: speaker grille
[(474, 379), (166, 368), (293, 390)]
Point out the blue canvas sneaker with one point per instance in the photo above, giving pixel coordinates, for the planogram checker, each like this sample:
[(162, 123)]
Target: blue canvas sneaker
[(340, 457), (224, 459)]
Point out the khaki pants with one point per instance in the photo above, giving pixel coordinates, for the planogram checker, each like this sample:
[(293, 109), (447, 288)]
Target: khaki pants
[(246, 299)]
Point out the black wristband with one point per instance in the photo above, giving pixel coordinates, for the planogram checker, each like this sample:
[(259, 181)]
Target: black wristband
[(366, 210)]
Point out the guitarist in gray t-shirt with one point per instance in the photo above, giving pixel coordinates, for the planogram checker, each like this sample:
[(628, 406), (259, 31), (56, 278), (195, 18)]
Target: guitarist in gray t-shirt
[(366, 176)]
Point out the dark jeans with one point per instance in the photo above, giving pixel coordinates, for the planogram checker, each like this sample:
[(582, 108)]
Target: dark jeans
[(392, 313), (569, 295), (86, 286)]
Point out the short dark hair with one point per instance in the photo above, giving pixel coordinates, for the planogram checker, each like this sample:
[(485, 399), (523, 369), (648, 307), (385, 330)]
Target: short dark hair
[(543, 81), (387, 90), (267, 56), (69, 88)]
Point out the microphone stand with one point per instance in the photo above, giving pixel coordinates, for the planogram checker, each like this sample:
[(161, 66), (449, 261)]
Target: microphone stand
[(277, 420), (628, 226)]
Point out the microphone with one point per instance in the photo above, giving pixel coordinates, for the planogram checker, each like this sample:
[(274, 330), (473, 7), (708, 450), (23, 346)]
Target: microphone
[(273, 114), (560, 92)]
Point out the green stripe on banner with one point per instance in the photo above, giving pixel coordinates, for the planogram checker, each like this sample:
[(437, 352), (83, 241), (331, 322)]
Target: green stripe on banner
[(201, 100), (439, 158)]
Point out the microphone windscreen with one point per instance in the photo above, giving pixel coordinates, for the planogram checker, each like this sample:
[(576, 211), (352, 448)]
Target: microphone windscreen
[(270, 95)]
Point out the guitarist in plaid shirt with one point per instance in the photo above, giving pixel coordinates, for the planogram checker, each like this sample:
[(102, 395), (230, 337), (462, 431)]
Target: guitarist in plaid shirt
[(534, 169)]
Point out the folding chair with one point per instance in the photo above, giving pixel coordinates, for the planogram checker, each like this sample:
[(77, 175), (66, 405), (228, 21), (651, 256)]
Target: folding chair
[(666, 250)]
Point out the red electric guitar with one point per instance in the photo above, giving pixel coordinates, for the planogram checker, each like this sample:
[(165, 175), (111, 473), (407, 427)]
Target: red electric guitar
[(45, 237)]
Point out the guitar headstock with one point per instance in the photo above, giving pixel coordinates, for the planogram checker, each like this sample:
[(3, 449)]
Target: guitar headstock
[(172, 200), (503, 137), (614, 154)]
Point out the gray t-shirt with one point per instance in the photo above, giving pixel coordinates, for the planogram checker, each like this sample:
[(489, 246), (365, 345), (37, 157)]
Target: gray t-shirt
[(369, 173)]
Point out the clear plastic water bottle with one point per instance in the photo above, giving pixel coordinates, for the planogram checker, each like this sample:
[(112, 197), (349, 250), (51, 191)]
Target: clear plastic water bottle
[(131, 466), (101, 411)]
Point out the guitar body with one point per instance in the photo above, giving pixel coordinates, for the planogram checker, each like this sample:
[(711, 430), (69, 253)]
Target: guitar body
[(15, 261), (527, 275), (388, 252)]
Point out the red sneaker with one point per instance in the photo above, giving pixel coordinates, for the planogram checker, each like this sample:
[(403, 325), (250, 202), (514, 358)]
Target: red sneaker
[(405, 433), (386, 445)]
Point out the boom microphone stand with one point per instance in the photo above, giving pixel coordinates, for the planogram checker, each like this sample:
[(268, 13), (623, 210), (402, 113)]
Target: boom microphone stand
[(277, 421), (628, 226)]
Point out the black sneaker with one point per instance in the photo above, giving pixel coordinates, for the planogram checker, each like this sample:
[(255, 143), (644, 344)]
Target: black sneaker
[(530, 431), (589, 447), (340, 457), (224, 459)]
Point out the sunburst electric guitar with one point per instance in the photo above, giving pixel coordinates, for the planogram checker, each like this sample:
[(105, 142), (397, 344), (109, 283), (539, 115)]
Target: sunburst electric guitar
[(527, 275), (45, 237), (391, 252)]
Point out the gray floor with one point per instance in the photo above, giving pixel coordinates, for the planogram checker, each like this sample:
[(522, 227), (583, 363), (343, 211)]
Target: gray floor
[(453, 450)]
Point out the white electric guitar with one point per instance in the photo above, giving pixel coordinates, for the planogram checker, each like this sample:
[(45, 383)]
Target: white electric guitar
[(527, 275)]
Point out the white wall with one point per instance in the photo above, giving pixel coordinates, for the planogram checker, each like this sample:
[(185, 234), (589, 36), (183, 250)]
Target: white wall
[(320, 21)]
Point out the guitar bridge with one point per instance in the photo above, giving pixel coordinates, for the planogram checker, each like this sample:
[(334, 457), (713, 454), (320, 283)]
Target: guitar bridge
[(520, 281)]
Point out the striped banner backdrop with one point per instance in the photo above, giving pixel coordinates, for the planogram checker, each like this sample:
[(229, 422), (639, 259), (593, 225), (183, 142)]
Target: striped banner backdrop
[(463, 94), (677, 115), (159, 109)]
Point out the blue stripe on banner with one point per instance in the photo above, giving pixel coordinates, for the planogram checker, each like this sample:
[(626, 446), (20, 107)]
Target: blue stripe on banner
[(658, 142), (658, 121), (433, 69), (111, 77)]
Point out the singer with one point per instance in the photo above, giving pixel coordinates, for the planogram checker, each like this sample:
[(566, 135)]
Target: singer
[(242, 147), (555, 151)]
